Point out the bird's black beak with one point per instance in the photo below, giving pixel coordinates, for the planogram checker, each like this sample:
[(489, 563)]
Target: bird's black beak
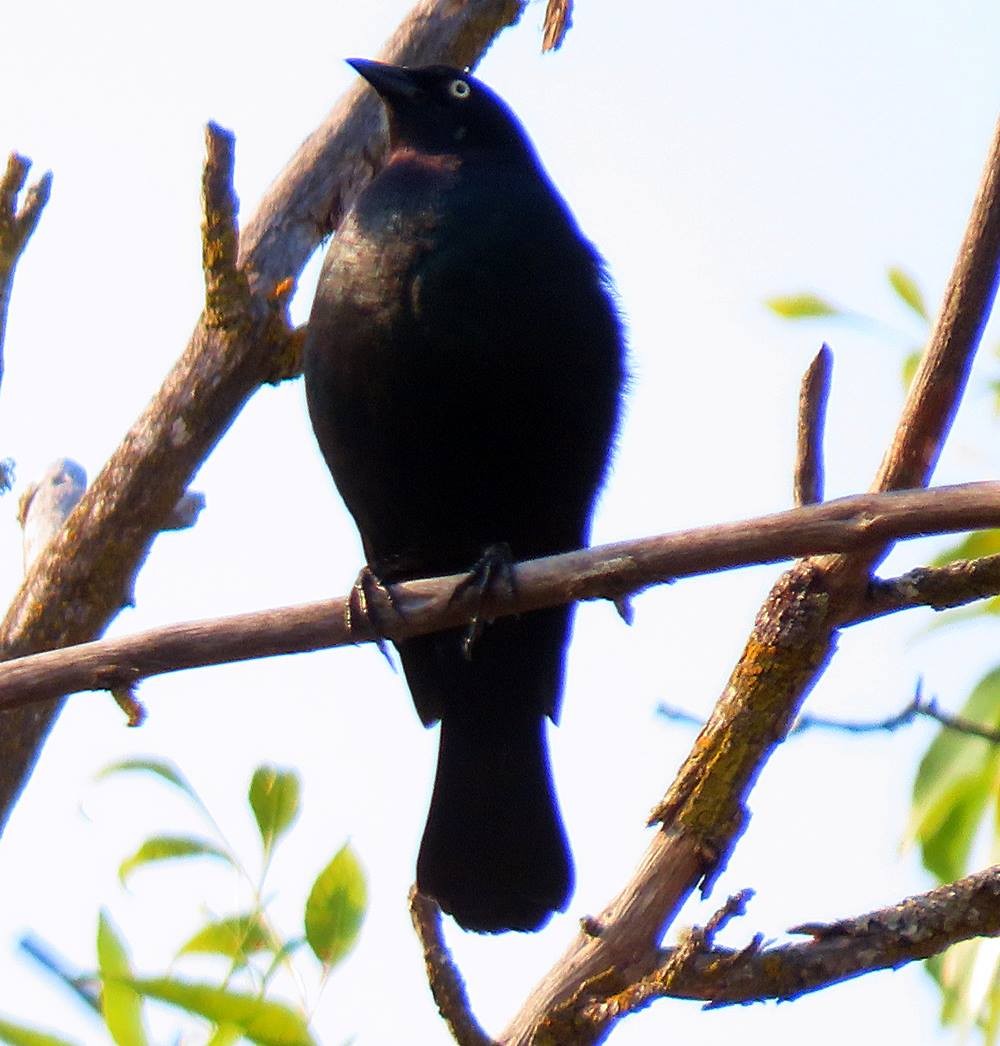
[(391, 81)]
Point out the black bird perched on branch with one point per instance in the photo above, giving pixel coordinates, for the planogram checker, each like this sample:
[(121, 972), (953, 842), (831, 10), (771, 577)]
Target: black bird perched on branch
[(463, 365)]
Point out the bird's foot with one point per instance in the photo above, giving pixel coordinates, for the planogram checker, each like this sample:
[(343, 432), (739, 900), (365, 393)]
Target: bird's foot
[(493, 571), (361, 608)]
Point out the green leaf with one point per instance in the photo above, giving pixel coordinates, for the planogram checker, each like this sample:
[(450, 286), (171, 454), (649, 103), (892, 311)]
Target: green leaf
[(968, 975), (235, 937), (989, 1014), (167, 848), (22, 1035), (274, 798), (335, 909), (958, 776), (120, 1005), (225, 1035), (974, 546), (910, 364), (906, 287), (159, 768), (259, 1020), (952, 970), (801, 307)]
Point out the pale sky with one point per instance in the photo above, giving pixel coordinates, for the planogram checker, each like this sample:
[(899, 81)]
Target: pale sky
[(716, 154)]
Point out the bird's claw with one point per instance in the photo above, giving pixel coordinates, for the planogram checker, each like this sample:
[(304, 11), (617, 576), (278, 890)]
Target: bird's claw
[(361, 609), (493, 569)]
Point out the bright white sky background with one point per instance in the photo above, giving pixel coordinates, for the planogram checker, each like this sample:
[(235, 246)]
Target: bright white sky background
[(717, 154)]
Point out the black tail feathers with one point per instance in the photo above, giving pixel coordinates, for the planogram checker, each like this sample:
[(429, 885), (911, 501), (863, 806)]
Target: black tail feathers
[(494, 853)]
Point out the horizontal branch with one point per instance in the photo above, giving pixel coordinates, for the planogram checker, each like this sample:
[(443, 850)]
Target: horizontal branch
[(606, 572), (942, 588)]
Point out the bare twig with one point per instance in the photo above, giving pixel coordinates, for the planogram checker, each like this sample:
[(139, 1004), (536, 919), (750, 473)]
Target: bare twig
[(813, 396), (941, 588), (919, 707), (558, 19), (85, 987), (443, 975), (16, 226), (79, 582), (419, 607)]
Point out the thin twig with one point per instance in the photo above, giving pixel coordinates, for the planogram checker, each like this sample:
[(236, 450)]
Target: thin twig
[(446, 983), (813, 396), (919, 707), (429, 605), (941, 588), (558, 19), (17, 223)]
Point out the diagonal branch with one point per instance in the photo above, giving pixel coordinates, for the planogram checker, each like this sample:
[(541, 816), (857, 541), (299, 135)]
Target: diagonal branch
[(16, 226), (443, 975), (79, 583), (793, 639), (419, 607)]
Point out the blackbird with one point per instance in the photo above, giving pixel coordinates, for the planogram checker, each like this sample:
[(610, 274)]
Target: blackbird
[(463, 370)]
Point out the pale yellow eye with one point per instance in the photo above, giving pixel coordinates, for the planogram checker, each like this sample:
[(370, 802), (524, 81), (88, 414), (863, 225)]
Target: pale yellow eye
[(459, 89)]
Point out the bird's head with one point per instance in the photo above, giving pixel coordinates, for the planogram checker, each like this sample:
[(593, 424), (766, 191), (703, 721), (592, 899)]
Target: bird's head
[(439, 109)]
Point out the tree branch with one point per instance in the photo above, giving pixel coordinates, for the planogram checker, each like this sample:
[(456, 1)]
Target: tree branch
[(919, 707), (813, 396), (443, 975), (793, 639), (939, 587), (419, 607), (79, 583), (16, 226), (915, 928)]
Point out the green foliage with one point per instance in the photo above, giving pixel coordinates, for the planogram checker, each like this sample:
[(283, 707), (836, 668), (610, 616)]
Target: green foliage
[(274, 799), (257, 1019), (958, 779), (168, 848), (801, 307), (906, 287), (248, 947), (121, 1005), (336, 908), (236, 937), (20, 1035)]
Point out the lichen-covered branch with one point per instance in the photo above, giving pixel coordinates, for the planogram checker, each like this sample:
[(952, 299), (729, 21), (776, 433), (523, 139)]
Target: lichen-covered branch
[(886, 939)]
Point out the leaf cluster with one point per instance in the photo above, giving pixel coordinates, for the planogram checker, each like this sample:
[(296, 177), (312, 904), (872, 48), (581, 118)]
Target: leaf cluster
[(247, 946)]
